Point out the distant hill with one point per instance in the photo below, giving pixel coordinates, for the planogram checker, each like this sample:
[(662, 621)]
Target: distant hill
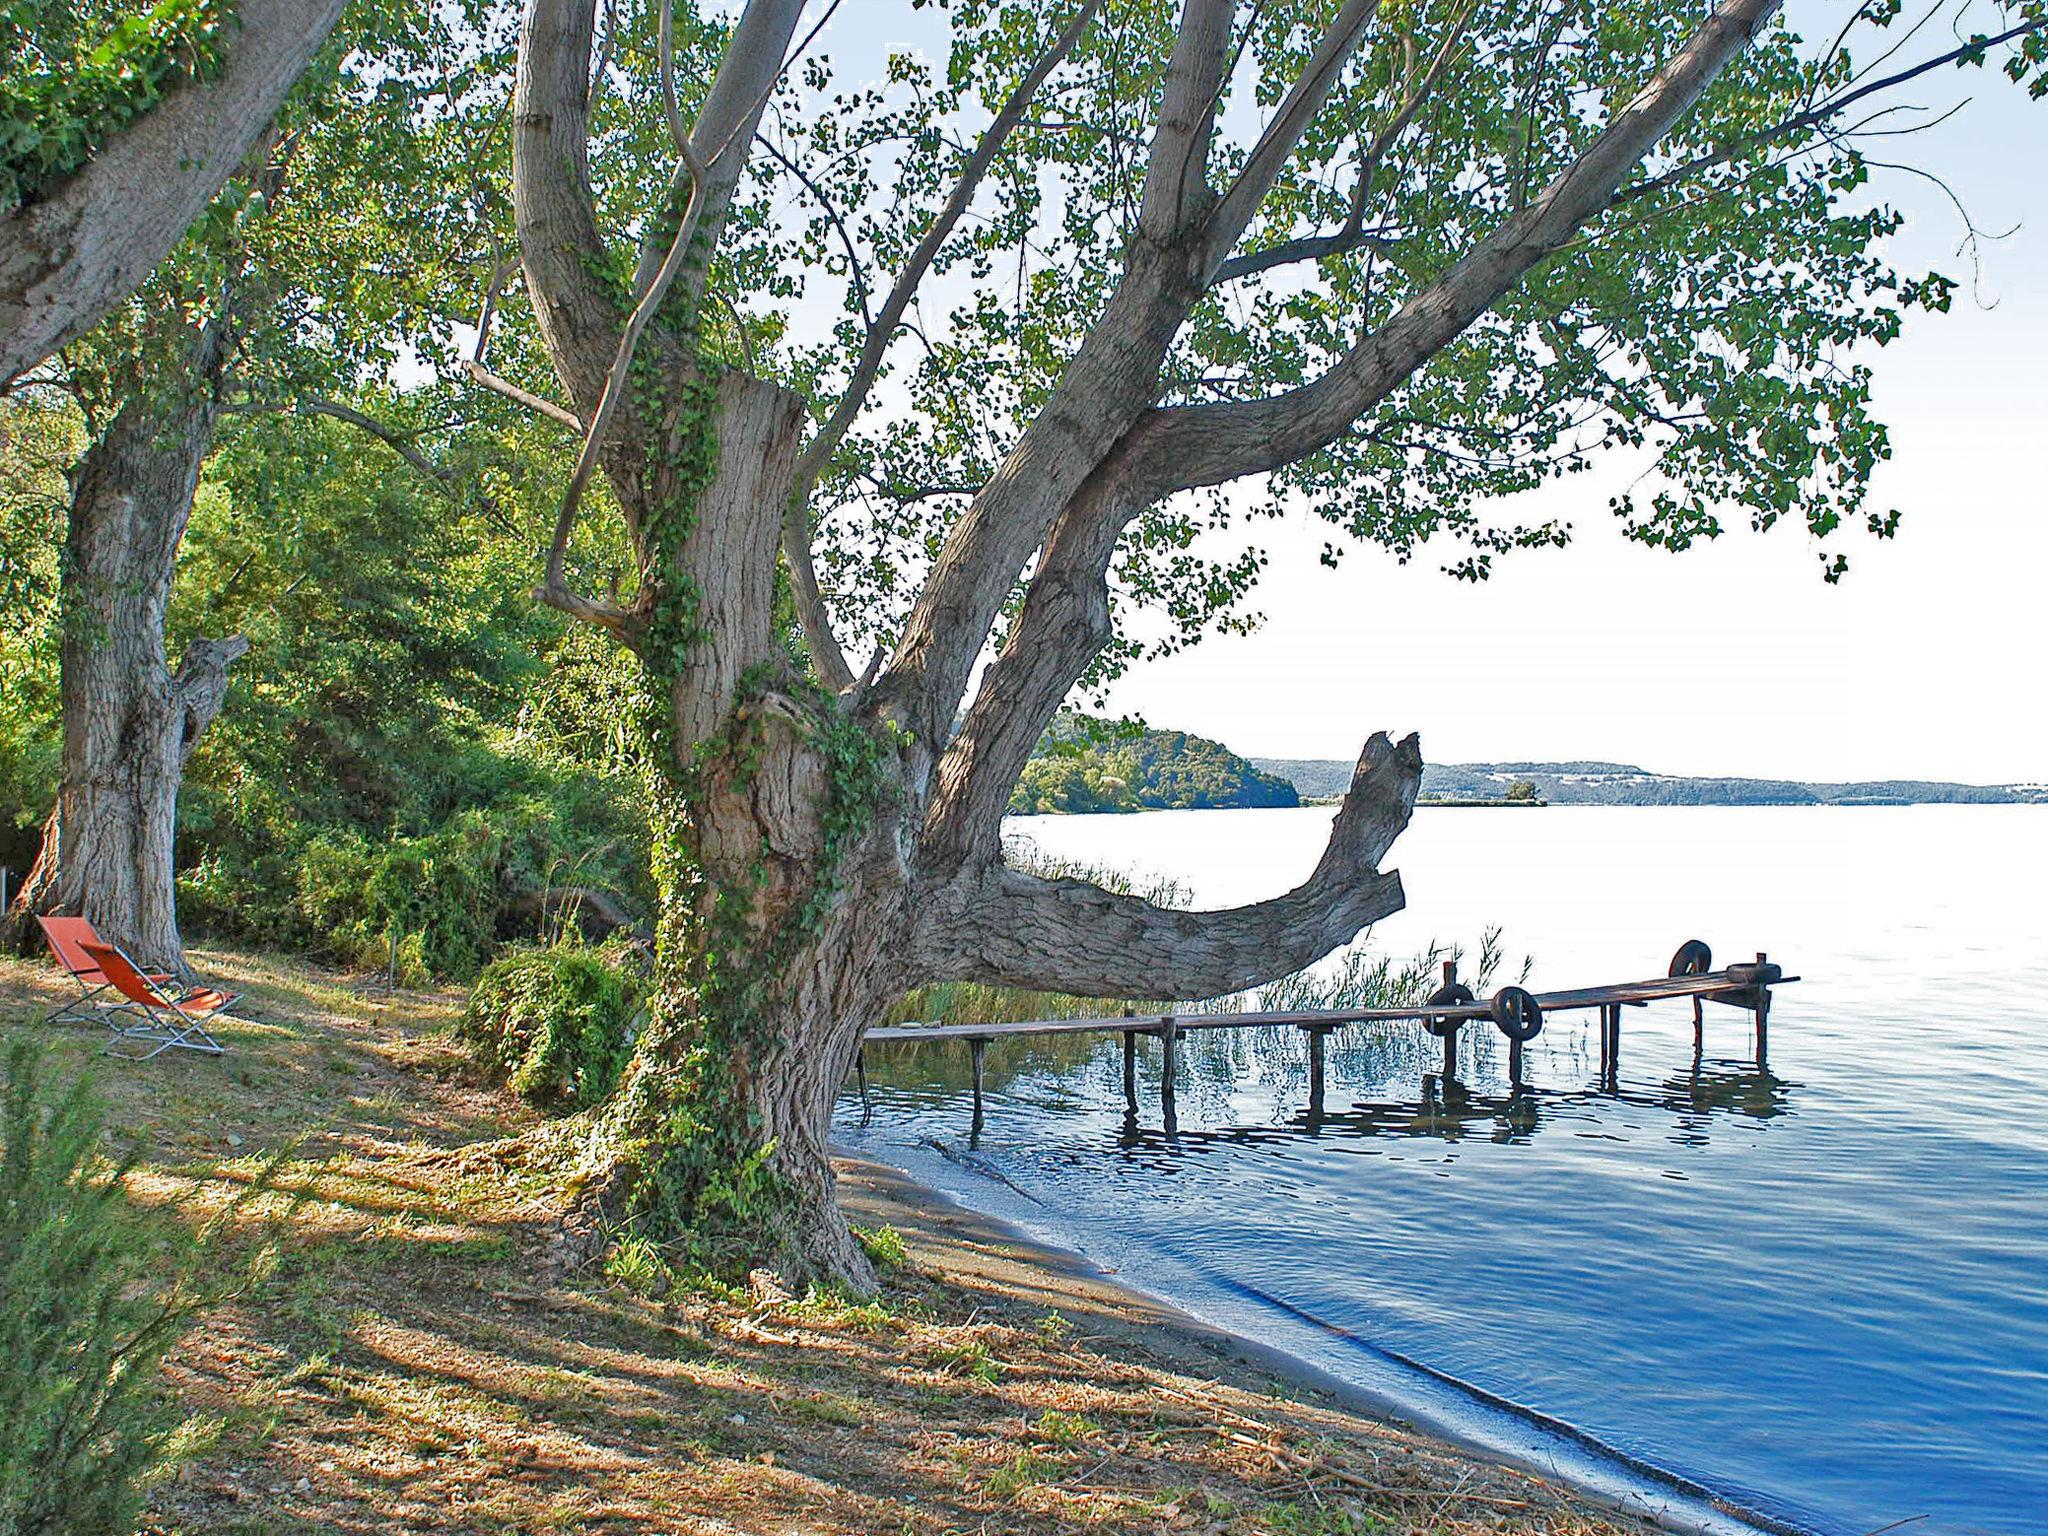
[(1090, 764), (1593, 783)]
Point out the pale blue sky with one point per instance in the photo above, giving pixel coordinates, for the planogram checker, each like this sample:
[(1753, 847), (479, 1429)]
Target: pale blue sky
[(1734, 658)]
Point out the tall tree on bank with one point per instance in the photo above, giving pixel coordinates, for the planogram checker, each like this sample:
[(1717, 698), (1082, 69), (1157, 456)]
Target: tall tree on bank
[(288, 289), (117, 127), (1389, 260)]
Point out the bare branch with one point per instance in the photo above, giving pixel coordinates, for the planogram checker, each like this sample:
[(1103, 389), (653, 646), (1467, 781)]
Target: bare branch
[(1002, 926), (1354, 235), (526, 397), (818, 452), (1275, 146), (1819, 114)]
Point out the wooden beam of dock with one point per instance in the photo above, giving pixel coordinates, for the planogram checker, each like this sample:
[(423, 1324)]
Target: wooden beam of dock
[(1711, 986)]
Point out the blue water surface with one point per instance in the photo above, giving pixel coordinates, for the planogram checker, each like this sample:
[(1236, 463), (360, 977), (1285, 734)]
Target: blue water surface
[(1818, 1289)]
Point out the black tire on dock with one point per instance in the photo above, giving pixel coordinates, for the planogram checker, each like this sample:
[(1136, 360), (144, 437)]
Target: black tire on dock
[(1453, 994), (1693, 959), (1763, 974), (1517, 1014)]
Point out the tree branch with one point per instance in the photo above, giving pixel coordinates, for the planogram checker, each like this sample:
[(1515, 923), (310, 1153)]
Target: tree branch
[(1065, 620), (1818, 114), (1177, 191), (728, 119), (1354, 235), (75, 249), (1111, 381), (818, 452), (999, 925), (1275, 146), (526, 397), (1209, 444)]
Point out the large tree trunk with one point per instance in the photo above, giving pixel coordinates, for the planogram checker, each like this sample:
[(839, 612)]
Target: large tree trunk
[(785, 915), (130, 722)]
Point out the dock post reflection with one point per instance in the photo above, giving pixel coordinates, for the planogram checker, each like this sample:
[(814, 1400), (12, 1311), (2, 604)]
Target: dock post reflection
[(977, 1049), (1169, 1041)]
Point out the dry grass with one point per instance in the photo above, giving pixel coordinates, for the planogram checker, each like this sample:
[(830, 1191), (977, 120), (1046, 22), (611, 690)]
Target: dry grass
[(402, 1373)]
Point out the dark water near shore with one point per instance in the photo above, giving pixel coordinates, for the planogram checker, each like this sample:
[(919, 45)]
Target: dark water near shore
[(1820, 1290)]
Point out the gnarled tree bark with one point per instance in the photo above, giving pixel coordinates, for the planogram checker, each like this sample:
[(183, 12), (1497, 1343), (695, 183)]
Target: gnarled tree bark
[(130, 721)]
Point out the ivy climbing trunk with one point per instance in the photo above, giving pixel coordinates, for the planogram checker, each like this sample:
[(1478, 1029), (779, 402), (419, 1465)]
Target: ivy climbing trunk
[(130, 721), (784, 907)]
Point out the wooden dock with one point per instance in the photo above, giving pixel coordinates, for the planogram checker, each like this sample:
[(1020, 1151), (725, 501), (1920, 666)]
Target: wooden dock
[(1517, 1013)]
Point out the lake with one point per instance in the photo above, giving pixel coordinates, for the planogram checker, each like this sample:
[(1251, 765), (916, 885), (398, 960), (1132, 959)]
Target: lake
[(1819, 1293)]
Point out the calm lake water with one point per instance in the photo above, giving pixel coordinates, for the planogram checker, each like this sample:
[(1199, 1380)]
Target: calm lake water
[(1820, 1292)]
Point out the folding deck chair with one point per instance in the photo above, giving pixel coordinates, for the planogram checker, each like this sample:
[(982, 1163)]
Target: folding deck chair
[(67, 938), (151, 1016)]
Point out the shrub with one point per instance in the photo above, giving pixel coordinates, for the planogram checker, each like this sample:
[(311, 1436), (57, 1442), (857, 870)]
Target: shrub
[(83, 1425), (555, 1023)]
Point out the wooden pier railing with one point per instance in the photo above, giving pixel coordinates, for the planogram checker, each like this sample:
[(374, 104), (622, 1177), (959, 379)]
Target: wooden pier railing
[(1516, 1012)]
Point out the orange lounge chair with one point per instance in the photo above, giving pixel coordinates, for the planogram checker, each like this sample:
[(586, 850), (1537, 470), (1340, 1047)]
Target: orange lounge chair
[(153, 1017), (67, 938)]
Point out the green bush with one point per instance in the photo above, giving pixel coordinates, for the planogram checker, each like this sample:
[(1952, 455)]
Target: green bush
[(83, 1425), (556, 1023)]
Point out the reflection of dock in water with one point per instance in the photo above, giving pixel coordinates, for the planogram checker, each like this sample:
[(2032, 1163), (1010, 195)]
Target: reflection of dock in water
[(1517, 1013), (1449, 1112)]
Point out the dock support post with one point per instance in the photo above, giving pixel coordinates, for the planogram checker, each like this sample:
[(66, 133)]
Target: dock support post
[(860, 1072), (976, 1049), (1315, 1072), (1606, 1046), (1613, 1022), (1131, 1070), (1169, 1040), (1763, 1019), (1515, 1065)]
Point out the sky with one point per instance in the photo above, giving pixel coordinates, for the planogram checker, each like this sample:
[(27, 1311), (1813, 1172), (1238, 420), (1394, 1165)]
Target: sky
[(1733, 658)]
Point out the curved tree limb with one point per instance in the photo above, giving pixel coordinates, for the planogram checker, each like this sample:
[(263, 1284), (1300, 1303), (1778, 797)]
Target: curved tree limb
[(999, 925), (77, 248)]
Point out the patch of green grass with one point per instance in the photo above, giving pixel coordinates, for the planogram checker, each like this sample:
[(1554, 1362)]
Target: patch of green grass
[(826, 1408), (1057, 1427), (883, 1245), (1053, 1328), (1026, 1469), (969, 1359), (637, 1264)]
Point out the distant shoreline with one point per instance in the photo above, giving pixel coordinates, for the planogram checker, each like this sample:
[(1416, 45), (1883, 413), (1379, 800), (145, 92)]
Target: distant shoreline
[(1602, 783)]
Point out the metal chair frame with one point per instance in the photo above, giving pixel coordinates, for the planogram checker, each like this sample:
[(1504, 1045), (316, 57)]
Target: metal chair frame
[(151, 1016)]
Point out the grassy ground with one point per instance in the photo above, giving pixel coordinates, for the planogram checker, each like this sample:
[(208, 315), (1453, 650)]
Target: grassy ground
[(403, 1372)]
